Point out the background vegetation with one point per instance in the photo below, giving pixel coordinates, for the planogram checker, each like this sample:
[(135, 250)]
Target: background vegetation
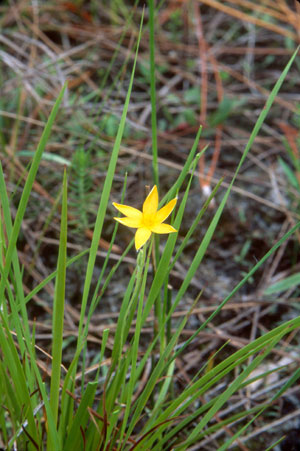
[(129, 118)]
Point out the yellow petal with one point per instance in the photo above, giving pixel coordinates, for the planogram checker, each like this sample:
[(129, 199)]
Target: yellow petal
[(141, 236), (128, 211), (151, 202), (163, 228), (165, 211), (129, 222)]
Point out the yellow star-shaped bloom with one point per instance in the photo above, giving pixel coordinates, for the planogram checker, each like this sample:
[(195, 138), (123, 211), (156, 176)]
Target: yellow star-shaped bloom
[(149, 220)]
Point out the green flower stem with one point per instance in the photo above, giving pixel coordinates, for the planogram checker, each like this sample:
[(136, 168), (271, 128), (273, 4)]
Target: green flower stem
[(137, 297), (153, 94)]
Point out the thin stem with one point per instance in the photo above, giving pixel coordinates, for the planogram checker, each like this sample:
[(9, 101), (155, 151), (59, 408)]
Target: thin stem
[(153, 93)]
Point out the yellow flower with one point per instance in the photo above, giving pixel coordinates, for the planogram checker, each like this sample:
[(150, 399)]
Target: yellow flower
[(149, 220)]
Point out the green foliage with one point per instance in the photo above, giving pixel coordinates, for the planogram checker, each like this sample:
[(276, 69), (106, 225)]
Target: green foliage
[(284, 284), (110, 126), (289, 173), (224, 110), (174, 25), (192, 95), (291, 170), (80, 195)]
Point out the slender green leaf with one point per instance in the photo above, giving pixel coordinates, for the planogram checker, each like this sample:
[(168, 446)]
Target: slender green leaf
[(284, 285), (58, 308)]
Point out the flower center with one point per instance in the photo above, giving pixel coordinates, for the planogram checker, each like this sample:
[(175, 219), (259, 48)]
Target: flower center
[(148, 220)]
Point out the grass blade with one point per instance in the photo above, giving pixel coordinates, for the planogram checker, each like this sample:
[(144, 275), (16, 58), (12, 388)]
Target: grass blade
[(28, 186), (58, 308)]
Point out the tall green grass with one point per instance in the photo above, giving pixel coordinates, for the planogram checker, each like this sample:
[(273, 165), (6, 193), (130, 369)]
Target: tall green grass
[(116, 407)]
